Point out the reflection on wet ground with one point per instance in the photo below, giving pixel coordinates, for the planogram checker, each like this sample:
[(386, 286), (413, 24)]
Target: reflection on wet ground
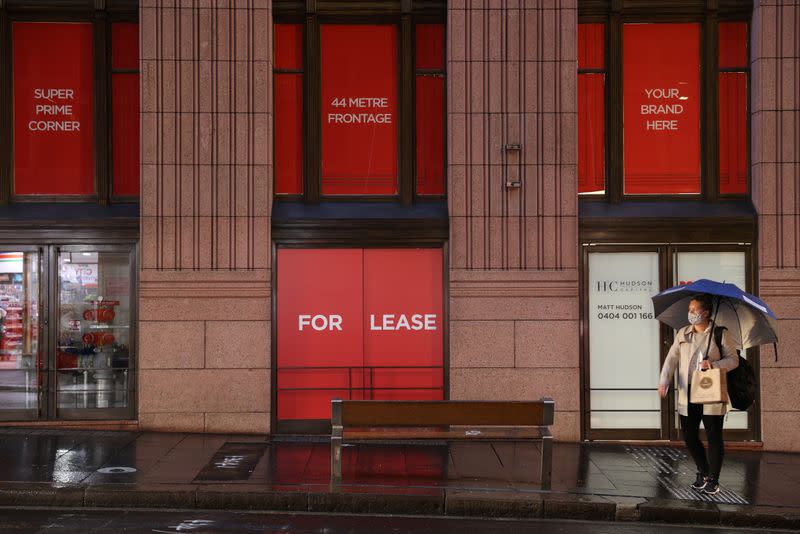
[(96, 521), (74, 457)]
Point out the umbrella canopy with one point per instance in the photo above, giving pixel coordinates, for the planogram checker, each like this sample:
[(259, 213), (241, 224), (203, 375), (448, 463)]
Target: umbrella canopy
[(747, 317)]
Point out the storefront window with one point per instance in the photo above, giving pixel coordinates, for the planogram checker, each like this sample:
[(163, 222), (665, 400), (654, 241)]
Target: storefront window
[(661, 106), (74, 106), (627, 344), (288, 83), (623, 341), (733, 112), (367, 326), (359, 109), (19, 335), (53, 82), (125, 108), (643, 128), (93, 351), (591, 108)]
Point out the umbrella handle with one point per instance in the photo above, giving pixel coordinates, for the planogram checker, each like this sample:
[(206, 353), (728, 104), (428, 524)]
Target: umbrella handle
[(713, 322)]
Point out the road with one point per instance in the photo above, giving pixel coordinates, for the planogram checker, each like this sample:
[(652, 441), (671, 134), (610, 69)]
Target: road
[(51, 521)]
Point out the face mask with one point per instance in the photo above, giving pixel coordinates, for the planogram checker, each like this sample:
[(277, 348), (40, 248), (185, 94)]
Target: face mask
[(695, 318)]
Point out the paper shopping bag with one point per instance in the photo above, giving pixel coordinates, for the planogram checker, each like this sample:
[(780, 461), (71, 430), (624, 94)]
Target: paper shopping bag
[(709, 387)]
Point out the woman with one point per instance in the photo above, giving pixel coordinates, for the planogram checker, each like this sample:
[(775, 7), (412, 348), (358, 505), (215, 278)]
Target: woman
[(686, 353)]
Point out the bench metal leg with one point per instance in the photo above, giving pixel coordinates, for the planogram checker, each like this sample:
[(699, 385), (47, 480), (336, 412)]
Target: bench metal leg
[(336, 441), (547, 459), (336, 459)]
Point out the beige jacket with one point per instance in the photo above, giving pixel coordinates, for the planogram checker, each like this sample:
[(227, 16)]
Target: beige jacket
[(680, 354)]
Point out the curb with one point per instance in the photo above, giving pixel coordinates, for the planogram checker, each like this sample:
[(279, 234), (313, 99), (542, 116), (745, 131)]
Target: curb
[(417, 501)]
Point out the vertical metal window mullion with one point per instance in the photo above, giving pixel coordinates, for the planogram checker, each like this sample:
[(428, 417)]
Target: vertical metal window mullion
[(133, 348), (51, 310), (667, 264), (616, 173), (407, 152), (101, 41), (41, 364), (312, 106), (709, 127)]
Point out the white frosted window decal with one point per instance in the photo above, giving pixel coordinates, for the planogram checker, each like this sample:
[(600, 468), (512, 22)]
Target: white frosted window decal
[(623, 341)]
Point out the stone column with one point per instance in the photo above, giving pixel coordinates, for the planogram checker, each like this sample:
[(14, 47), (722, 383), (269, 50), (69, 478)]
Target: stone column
[(512, 99), (206, 119), (775, 102)]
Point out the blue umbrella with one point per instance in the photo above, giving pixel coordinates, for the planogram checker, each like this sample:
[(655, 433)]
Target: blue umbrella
[(746, 316)]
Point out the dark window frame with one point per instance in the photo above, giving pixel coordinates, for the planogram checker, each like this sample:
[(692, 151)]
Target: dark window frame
[(405, 16), (707, 13), (101, 15), (667, 255)]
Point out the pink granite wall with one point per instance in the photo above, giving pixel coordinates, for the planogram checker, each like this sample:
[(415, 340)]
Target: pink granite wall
[(206, 192), (513, 252), (775, 100)]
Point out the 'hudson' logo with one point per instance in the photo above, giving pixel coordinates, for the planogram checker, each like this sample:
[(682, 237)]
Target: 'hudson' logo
[(616, 286)]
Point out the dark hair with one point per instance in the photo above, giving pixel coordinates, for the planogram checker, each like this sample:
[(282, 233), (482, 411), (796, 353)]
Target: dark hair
[(706, 301)]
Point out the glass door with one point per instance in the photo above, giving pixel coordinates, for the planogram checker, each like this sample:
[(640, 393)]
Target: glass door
[(92, 371), (621, 374), (624, 346), (723, 264), (20, 335)]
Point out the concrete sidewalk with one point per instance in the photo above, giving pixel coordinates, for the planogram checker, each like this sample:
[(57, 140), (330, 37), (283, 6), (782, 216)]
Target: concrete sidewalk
[(487, 479)]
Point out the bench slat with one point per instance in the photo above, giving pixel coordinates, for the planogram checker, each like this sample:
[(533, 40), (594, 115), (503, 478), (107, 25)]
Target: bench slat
[(433, 413)]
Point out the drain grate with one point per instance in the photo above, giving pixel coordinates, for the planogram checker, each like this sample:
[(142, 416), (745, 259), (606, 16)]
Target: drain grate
[(233, 461), (667, 463)]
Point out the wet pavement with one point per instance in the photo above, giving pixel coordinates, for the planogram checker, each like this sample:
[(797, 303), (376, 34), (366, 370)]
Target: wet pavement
[(43, 467), (59, 521)]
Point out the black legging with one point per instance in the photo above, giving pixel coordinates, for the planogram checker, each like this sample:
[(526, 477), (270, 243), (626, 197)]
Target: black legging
[(690, 425)]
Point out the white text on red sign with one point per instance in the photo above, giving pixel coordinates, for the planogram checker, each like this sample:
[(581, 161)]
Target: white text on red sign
[(669, 109), (358, 103), (387, 321), (46, 105)]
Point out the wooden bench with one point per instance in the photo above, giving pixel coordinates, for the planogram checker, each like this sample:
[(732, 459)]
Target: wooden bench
[(376, 420)]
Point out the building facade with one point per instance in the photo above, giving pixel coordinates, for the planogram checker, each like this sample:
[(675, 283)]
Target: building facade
[(414, 199)]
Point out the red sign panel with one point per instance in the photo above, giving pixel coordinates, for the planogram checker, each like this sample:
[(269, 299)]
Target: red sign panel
[(403, 307), (319, 307), (53, 108), (591, 46), (403, 330), (359, 109), (733, 45), (357, 324), (661, 91), (288, 109)]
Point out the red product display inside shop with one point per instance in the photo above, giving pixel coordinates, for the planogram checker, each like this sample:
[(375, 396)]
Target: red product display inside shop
[(101, 311), (98, 314)]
